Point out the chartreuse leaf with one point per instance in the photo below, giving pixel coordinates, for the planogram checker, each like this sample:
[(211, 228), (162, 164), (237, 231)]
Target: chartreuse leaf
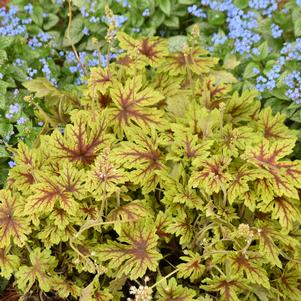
[(272, 127), (171, 290), (8, 263), (41, 268), (211, 174), (26, 171), (82, 139), (192, 268), (248, 265), (132, 211), (228, 287), (284, 209), (151, 51), (270, 242), (134, 104), (242, 107), (59, 191), (288, 282), (13, 222), (187, 146), (44, 88), (182, 194), (284, 176), (104, 176), (65, 287), (143, 157), (239, 185), (100, 80), (135, 252), (235, 140), (193, 60), (181, 225)]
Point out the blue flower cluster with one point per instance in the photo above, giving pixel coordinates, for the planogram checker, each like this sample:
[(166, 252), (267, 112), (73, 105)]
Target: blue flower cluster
[(241, 25), (13, 109), (269, 82), (276, 31), (293, 82), (265, 6), (292, 51), (195, 11), (219, 39), (10, 23)]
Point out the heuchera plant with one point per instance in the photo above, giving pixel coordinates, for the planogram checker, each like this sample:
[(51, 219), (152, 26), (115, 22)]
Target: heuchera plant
[(163, 186)]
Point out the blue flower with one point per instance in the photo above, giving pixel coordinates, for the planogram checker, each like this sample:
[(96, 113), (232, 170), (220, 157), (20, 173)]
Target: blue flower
[(11, 164), (21, 120), (219, 39), (1, 75), (146, 12), (83, 12), (94, 19), (195, 11), (14, 108), (85, 31), (276, 31), (28, 8), (40, 123)]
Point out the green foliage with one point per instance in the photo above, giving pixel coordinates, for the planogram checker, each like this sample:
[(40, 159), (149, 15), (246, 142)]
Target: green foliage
[(162, 176)]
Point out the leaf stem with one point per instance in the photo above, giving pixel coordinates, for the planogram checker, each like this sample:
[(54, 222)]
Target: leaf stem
[(164, 278), (68, 36)]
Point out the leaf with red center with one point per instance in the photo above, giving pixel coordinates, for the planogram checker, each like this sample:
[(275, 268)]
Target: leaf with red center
[(273, 127), (142, 158), (212, 174), (242, 107), (132, 211), (211, 93), (8, 263), (284, 176), (134, 104), (239, 186), (289, 282), (51, 234), (100, 80), (272, 243), (200, 122), (192, 268), (135, 252), (235, 140), (65, 287), (149, 50), (172, 291), (284, 209), (13, 224), (25, 173), (42, 265), (193, 60), (62, 190), (104, 176), (228, 287), (181, 225), (162, 222), (179, 193), (187, 146), (82, 139), (249, 265)]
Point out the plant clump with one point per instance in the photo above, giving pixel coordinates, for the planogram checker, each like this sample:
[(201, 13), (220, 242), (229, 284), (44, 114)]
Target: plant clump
[(164, 185)]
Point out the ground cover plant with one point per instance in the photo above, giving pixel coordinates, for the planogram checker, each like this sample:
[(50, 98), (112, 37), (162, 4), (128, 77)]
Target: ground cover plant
[(164, 185), (257, 40)]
